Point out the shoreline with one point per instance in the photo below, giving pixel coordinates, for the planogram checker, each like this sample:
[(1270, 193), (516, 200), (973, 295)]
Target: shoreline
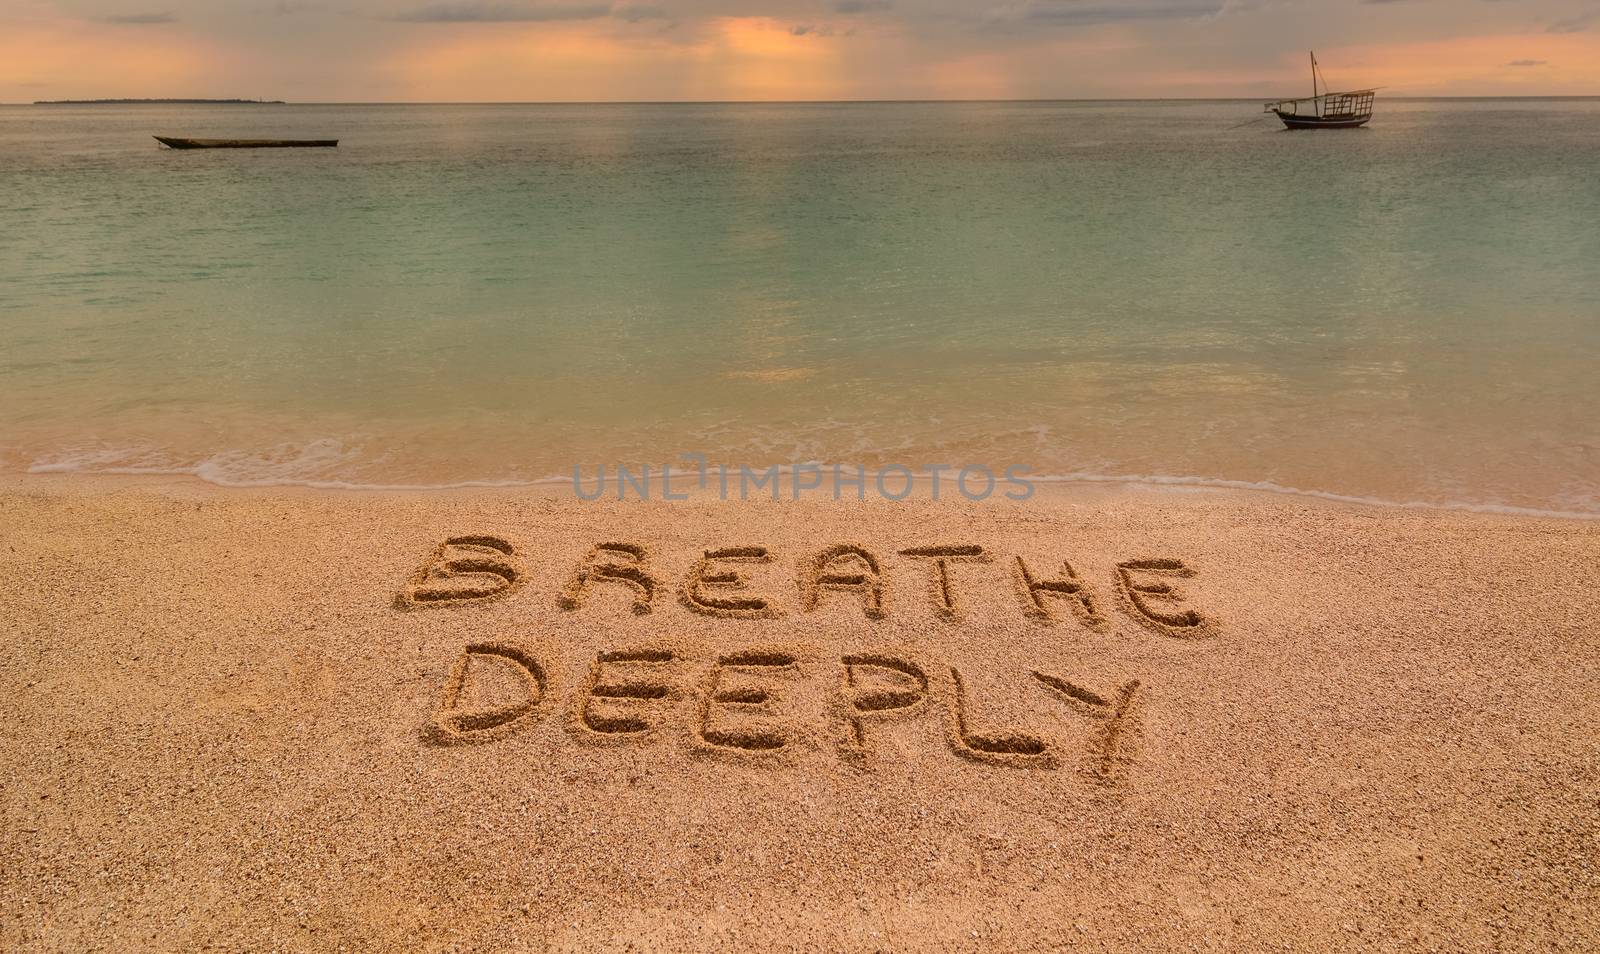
[(1047, 488), (1130, 718)]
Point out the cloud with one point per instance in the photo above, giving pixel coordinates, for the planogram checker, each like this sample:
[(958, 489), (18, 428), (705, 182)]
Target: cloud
[(1575, 24), (1076, 13), (807, 29), (1229, 8), (634, 12), (141, 19), (503, 13), (739, 49), (482, 12)]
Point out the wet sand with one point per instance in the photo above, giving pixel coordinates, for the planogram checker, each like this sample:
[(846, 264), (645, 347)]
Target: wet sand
[(289, 720)]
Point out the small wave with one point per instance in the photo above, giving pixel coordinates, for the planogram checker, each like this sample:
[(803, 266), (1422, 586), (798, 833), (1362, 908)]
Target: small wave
[(287, 466), (203, 473), (1267, 486)]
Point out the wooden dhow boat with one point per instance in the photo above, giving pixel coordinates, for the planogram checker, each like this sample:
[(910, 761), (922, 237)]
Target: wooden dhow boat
[(176, 142), (1324, 110)]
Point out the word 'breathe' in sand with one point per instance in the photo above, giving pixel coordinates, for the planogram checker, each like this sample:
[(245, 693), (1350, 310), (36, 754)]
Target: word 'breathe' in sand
[(767, 702), (470, 570)]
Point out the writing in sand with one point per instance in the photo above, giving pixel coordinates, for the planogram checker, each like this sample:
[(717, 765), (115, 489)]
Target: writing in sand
[(734, 702)]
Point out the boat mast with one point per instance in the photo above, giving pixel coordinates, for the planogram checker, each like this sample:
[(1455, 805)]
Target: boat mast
[(1314, 104)]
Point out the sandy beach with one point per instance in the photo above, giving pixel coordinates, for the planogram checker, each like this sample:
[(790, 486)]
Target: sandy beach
[(1107, 718)]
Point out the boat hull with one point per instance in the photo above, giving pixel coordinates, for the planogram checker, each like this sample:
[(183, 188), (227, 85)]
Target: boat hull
[(1321, 122), (180, 143)]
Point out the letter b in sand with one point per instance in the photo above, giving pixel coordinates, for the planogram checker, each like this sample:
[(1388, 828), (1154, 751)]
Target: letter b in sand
[(463, 570)]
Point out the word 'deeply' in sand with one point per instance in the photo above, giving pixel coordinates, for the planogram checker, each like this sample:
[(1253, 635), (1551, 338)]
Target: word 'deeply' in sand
[(744, 703)]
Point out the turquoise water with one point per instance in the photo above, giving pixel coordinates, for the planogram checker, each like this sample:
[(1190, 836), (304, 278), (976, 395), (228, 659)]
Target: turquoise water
[(496, 293)]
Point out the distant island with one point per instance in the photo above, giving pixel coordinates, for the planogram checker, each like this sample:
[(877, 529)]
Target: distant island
[(129, 102)]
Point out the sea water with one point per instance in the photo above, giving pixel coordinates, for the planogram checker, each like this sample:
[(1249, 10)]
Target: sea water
[(497, 293)]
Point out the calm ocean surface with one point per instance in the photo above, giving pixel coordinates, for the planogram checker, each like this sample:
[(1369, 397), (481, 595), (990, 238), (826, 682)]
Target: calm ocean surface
[(496, 293)]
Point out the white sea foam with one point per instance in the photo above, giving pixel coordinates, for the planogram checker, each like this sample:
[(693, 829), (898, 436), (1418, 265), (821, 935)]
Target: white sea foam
[(1267, 486), (286, 465), (306, 466)]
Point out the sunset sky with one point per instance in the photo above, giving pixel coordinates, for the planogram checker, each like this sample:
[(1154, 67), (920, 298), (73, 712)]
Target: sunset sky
[(532, 50)]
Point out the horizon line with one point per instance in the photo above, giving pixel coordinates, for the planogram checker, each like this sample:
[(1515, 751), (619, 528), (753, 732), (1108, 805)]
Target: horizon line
[(236, 101)]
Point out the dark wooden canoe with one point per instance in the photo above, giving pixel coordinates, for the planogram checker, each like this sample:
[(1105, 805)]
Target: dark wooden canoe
[(177, 143)]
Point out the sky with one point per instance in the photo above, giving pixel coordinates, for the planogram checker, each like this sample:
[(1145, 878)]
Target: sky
[(651, 50)]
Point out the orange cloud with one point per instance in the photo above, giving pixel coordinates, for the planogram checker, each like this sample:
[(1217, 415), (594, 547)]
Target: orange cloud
[(88, 60), (761, 58), (732, 58), (747, 58), (1475, 65)]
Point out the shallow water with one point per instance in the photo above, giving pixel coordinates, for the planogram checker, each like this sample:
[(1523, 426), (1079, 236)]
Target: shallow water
[(495, 293)]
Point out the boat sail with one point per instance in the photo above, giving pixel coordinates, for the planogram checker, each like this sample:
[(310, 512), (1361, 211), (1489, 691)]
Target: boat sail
[(1325, 110)]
